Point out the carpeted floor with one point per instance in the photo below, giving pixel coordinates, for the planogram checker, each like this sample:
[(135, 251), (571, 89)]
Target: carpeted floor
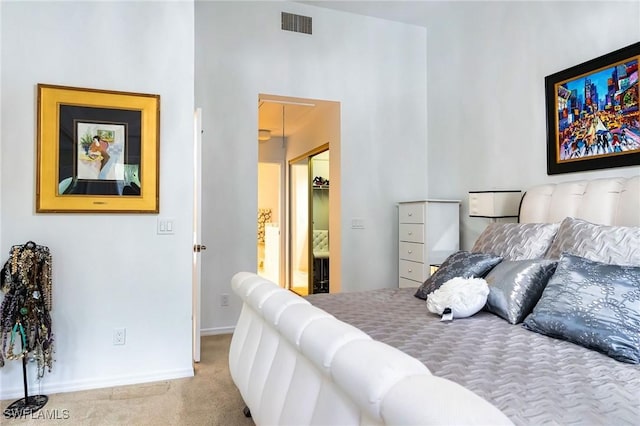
[(209, 398)]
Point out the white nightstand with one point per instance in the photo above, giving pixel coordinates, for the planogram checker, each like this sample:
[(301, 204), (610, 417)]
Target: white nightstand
[(428, 232)]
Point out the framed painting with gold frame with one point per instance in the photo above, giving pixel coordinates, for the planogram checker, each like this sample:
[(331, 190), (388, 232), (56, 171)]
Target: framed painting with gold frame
[(97, 151), (593, 120)]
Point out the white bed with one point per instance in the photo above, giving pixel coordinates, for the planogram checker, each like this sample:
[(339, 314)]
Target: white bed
[(296, 363)]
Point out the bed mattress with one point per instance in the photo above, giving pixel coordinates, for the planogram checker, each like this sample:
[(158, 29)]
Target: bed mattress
[(532, 378)]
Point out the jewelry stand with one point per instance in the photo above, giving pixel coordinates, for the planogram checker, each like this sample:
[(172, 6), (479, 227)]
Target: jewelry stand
[(28, 404), (24, 312)]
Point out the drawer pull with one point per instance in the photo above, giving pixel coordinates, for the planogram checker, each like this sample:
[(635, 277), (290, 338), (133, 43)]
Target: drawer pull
[(409, 251), (410, 233), (410, 214), (410, 270)]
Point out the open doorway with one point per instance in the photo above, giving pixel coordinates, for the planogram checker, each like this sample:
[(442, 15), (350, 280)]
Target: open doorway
[(290, 132)]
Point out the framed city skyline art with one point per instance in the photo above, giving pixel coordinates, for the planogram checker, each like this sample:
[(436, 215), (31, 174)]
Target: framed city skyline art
[(593, 120), (98, 151)]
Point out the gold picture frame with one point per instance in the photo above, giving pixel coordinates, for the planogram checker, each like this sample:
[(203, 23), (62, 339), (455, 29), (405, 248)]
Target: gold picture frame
[(97, 151)]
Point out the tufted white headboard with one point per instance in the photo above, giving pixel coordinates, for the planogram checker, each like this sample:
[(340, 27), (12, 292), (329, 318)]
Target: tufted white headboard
[(607, 201), (320, 243)]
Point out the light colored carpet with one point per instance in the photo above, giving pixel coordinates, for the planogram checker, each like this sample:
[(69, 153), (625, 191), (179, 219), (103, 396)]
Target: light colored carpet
[(208, 398)]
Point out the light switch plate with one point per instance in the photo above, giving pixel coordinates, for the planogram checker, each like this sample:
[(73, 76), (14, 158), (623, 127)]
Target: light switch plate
[(166, 226), (357, 223)]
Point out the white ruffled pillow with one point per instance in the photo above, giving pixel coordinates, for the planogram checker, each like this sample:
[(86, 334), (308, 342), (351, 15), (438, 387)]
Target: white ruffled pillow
[(464, 296)]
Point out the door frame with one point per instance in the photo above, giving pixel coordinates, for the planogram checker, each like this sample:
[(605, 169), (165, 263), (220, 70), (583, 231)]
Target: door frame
[(196, 275), (327, 119)]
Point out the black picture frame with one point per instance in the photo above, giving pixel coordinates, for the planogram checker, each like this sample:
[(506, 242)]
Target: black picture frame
[(593, 120), (72, 117)]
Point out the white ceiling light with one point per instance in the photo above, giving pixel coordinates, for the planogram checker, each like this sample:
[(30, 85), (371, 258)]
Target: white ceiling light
[(264, 134)]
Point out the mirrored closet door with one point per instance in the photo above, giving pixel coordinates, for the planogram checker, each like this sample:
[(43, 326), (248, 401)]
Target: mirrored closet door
[(309, 223)]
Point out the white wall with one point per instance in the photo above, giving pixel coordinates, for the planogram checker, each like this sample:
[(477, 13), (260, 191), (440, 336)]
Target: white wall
[(378, 76), (269, 188), (321, 126), (300, 221), (271, 153), (1, 156), (486, 73), (109, 270), (320, 167)]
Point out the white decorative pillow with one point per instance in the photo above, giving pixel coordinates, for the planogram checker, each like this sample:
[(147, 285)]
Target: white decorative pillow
[(464, 296)]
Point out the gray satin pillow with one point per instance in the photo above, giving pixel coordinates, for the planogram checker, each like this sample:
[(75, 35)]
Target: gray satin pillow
[(516, 241), (460, 264), (618, 245), (516, 285), (593, 304)]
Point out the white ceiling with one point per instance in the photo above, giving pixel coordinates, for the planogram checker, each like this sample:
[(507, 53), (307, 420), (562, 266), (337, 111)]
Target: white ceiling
[(422, 13), (417, 12), (271, 114), (297, 113)]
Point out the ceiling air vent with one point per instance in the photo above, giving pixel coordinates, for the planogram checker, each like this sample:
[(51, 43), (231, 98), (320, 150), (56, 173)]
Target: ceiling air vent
[(296, 23)]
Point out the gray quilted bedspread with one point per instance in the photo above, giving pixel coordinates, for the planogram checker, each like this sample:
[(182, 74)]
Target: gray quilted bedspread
[(532, 378)]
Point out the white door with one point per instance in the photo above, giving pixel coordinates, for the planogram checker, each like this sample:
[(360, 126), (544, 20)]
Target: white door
[(197, 221)]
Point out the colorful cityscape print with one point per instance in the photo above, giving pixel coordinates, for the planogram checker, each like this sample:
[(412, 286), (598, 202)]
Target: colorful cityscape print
[(598, 113)]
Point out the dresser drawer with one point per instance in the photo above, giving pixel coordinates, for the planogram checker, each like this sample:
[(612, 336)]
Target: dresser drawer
[(411, 213), (411, 251), (405, 283), (411, 232), (412, 270), (428, 232)]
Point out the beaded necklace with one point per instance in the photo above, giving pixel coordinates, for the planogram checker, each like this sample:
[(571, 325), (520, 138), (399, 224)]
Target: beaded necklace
[(10, 353), (25, 309)]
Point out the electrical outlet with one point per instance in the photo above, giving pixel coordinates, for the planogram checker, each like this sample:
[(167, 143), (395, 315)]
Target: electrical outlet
[(119, 336), (224, 300)]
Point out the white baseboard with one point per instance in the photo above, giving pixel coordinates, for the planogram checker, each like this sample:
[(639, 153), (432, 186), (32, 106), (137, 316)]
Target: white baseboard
[(96, 383), (106, 382), (216, 330)]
